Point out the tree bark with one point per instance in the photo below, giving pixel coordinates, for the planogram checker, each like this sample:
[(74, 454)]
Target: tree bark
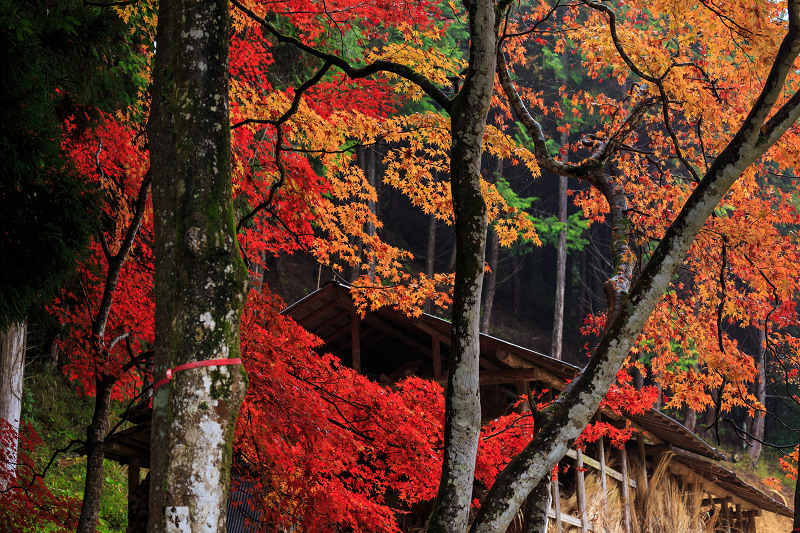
[(430, 256), (468, 113), (761, 395), (12, 368), (200, 277), (95, 453), (491, 282), (561, 262)]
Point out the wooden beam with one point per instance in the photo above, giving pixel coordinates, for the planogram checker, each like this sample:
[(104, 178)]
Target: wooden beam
[(384, 327), (610, 472), (431, 331), (704, 484), (513, 360), (436, 354), (316, 313), (330, 322), (567, 519)]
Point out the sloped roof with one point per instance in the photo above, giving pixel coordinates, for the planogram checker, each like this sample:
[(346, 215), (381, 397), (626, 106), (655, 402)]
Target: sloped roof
[(327, 313)]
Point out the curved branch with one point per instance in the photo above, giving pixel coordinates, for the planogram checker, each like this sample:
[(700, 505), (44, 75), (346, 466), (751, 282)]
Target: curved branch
[(375, 67)]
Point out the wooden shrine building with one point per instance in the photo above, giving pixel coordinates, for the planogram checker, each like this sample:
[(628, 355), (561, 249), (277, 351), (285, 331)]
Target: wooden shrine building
[(387, 345)]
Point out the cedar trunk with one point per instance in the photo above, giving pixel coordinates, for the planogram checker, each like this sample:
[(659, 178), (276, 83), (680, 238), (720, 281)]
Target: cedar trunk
[(200, 277), (12, 367)]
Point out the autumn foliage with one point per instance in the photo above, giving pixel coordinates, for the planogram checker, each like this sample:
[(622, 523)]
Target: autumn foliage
[(330, 448)]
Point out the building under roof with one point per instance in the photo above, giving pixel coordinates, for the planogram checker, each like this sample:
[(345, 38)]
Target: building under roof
[(387, 345)]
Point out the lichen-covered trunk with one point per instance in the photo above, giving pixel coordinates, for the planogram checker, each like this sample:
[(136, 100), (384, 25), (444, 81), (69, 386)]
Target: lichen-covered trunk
[(462, 405), (200, 278), (12, 367)]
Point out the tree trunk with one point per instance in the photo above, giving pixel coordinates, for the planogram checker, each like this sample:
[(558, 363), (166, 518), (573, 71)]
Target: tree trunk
[(761, 395), (538, 505), (468, 114), (95, 452), (430, 256), (12, 368), (491, 282), (561, 269), (200, 278)]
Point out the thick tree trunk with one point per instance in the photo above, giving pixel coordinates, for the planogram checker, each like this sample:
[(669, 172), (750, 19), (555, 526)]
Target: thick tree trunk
[(12, 368), (538, 505), (757, 429), (462, 404), (200, 278)]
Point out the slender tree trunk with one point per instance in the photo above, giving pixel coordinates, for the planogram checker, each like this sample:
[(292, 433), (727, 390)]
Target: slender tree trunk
[(491, 281), (430, 255), (95, 452), (12, 368), (200, 277), (761, 395), (561, 266), (468, 114)]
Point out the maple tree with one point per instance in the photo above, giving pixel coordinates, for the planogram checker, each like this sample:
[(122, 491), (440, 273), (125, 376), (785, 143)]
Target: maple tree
[(308, 421)]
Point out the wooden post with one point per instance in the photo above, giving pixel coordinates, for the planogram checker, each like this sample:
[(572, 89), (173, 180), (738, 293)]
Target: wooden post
[(557, 501), (643, 460), (626, 491), (437, 357), (133, 483), (740, 519), (580, 485), (726, 515), (355, 342), (601, 451)]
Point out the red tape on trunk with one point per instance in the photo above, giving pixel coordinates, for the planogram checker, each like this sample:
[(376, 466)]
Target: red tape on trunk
[(194, 364)]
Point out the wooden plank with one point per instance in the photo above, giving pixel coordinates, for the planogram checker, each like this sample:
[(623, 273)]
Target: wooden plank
[(580, 484), (626, 492), (610, 472), (567, 519), (726, 514), (330, 322)]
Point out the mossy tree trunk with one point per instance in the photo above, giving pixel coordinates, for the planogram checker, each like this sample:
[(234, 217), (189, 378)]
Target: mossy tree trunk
[(468, 113), (200, 277)]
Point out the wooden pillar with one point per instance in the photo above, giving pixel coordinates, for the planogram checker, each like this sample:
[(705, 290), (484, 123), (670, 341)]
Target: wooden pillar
[(580, 487), (643, 460), (740, 519), (556, 500), (726, 514), (437, 357), (133, 483), (626, 491), (355, 342)]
